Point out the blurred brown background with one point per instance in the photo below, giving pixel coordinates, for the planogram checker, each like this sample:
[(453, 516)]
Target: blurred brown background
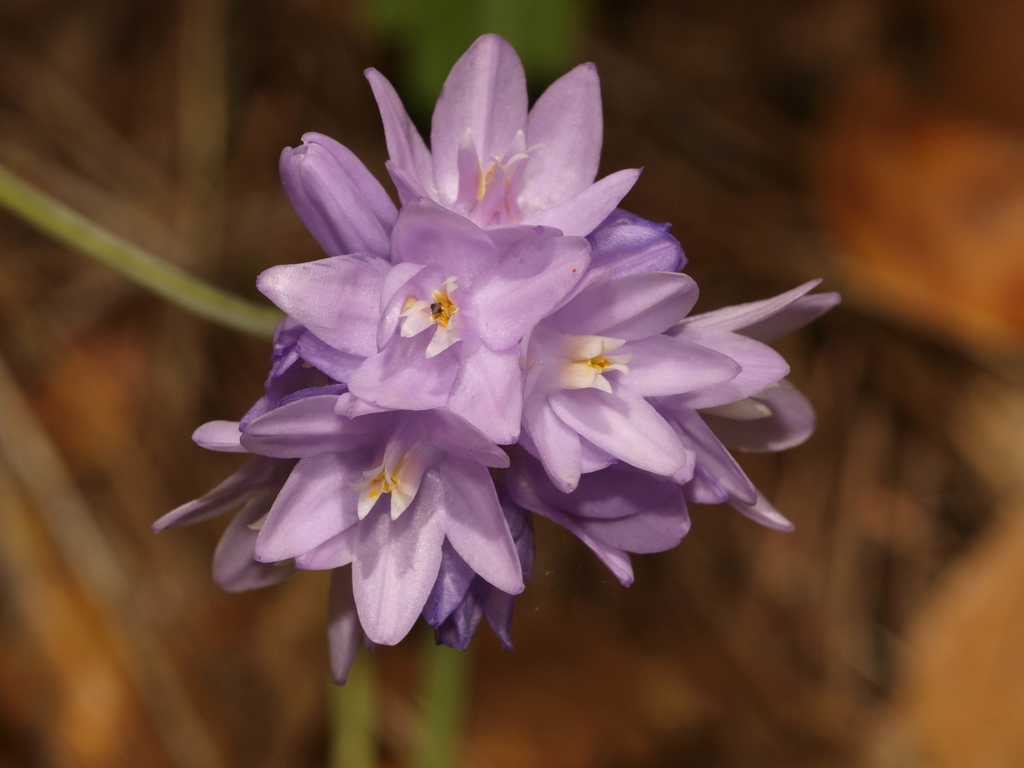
[(877, 144)]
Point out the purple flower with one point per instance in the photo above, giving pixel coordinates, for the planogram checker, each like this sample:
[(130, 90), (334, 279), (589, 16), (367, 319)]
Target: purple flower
[(630, 245), (383, 491), (591, 366), (440, 324), (493, 161)]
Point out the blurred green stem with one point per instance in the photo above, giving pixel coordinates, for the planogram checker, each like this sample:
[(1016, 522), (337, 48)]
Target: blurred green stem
[(443, 690), (166, 280), (354, 716)]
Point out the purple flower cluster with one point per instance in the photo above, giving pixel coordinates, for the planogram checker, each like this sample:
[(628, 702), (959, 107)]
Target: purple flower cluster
[(507, 342)]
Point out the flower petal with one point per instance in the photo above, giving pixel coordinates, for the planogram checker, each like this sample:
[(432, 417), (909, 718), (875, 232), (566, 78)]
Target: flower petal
[(405, 145), (630, 307), (564, 132), (316, 503), (486, 93), (234, 568), (336, 552), (396, 563), (661, 365), (338, 299), (556, 444), (403, 377), (762, 511), (453, 580), (488, 393), (657, 529), (219, 436), (476, 527), (426, 233), (791, 422), (761, 366), (337, 198), (343, 631), (623, 424), (310, 426), (631, 245), (581, 213)]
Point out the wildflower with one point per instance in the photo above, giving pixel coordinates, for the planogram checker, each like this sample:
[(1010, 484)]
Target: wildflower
[(491, 160)]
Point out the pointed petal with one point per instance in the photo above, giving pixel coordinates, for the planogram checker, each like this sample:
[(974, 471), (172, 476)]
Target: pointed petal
[(234, 568), (219, 436), (623, 424), (405, 145), (761, 366), (564, 133), (581, 213), (476, 527), (343, 631), (661, 365), (315, 504), (396, 563), (557, 444), (255, 475), (488, 393), (338, 299), (804, 310), (769, 319), (325, 358), (453, 434), (712, 456), (453, 580), (761, 511), (631, 307), (486, 93), (791, 423)]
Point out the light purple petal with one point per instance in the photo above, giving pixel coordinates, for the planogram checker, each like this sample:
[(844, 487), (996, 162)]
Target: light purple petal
[(615, 559), (403, 377), (219, 436), (337, 198), (804, 310), (406, 147), (426, 233), (657, 529), (409, 189), (396, 563), (336, 552), (452, 434), (701, 488), (343, 631), (557, 444), (761, 366), (581, 213), (338, 299), (623, 424), (488, 393), (529, 282), (593, 458), (661, 365), (234, 568), (768, 319), (308, 427), (254, 476), (630, 307), (486, 93), (791, 423), (563, 134), (631, 245), (315, 504), (762, 512), (712, 456), (322, 356), (476, 527)]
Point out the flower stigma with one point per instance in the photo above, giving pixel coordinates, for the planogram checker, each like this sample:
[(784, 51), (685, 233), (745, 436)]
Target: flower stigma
[(439, 312)]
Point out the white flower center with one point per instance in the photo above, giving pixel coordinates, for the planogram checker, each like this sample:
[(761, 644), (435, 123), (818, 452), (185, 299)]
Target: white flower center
[(439, 312), (399, 474), (586, 362)]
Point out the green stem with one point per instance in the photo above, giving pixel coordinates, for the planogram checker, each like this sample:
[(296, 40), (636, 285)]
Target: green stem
[(172, 283), (443, 689), (354, 715)]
